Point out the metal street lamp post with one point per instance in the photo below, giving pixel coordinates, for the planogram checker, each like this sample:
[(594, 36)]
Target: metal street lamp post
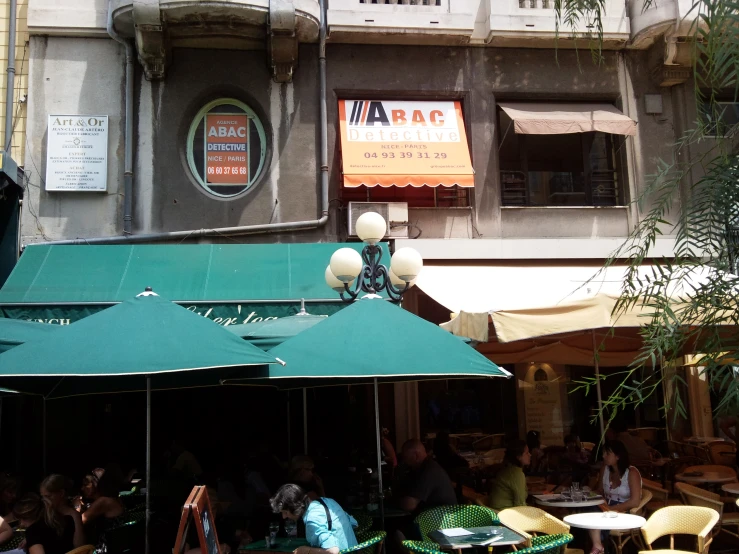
[(350, 272)]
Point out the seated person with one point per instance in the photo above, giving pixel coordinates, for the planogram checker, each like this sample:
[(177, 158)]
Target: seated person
[(388, 450), (46, 532), (619, 483), (186, 466), (55, 491), (639, 451), (575, 454), (446, 456), (105, 509), (509, 487), (426, 484), (309, 482), (328, 528), (89, 488), (533, 441), (6, 531)]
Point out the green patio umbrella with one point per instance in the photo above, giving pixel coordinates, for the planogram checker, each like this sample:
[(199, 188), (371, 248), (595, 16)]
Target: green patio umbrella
[(16, 331), (273, 332), (131, 342), (373, 340)]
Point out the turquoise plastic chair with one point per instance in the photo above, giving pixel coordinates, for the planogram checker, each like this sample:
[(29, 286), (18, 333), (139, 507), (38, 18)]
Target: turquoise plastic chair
[(370, 542), (448, 517)]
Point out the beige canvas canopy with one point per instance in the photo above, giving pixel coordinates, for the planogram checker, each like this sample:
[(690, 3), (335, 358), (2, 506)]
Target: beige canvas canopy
[(566, 118), (531, 302)]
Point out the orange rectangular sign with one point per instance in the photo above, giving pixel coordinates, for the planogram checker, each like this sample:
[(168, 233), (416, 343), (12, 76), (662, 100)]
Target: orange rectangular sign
[(404, 143), (227, 149)]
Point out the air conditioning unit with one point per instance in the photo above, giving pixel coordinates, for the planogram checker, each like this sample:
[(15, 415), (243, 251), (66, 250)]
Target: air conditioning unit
[(395, 214)]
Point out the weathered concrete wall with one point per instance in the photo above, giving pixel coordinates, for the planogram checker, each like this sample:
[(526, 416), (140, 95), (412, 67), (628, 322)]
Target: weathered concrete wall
[(169, 197), (71, 75), (480, 77)]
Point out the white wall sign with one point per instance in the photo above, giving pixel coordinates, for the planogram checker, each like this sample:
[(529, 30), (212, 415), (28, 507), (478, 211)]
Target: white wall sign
[(77, 153)]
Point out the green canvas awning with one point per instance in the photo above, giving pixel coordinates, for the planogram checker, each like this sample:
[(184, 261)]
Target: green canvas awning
[(116, 349), (229, 283), (14, 332), (373, 339)]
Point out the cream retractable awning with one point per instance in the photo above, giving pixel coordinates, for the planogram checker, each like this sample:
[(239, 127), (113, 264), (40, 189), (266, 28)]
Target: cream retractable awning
[(537, 301), (565, 118)]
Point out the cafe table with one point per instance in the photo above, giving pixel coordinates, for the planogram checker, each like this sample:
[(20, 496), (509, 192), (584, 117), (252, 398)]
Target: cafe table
[(731, 488), (476, 537), (559, 501), (284, 544), (605, 521), (707, 475), (703, 440)]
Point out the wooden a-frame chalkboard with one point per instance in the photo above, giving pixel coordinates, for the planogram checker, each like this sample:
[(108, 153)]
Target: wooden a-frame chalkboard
[(197, 509)]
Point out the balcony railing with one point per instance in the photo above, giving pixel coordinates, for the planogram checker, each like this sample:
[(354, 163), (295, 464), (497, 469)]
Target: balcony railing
[(404, 21), (536, 4), (406, 2), (547, 188)]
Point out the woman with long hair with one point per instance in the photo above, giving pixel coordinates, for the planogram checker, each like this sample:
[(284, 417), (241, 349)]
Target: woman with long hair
[(46, 531), (55, 490), (620, 484), (105, 509), (509, 487)]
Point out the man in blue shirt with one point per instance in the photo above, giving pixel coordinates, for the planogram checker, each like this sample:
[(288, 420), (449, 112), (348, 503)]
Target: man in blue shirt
[(328, 528)]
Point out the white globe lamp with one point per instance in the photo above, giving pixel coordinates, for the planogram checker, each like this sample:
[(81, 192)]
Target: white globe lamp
[(371, 227), (333, 282), (398, 283), (406, 263), (346, 264)]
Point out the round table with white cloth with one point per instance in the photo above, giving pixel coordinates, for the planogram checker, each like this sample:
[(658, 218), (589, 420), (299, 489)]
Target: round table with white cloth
[(605, 521)]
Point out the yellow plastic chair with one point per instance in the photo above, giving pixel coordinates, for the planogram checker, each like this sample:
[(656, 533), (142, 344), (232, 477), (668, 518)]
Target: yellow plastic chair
[(621, 538), (680, 520), (535, 521), (694, 496), (86, 549)]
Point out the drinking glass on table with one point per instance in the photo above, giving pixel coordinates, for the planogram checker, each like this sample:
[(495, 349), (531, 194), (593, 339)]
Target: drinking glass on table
[(274, 528), (291, 528)]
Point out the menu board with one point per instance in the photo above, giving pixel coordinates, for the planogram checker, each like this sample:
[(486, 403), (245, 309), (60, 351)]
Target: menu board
[(543, 404), (197, 509), (77, 153)]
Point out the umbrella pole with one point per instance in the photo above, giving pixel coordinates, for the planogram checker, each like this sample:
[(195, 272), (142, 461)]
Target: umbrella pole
[(148, 462), (378, 432), (305, 420), (289, 438), (43, 437), (597, 389)]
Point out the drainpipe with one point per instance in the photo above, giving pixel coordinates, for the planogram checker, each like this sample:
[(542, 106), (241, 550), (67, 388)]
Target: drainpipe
[(128, 135), (128, 238), (10, 90)]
